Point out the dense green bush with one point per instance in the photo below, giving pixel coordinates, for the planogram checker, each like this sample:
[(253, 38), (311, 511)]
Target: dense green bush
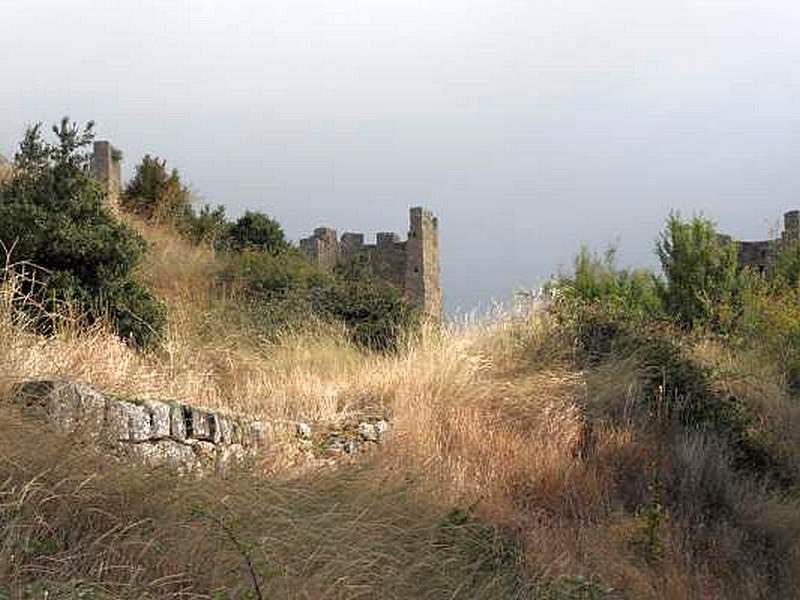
[(287, 288), (208, 226), (157, 195), (598, 280), (256, 231), (701, 273), (770, 323), (375, 313), (53, 215), (613, 314), (267, 276)]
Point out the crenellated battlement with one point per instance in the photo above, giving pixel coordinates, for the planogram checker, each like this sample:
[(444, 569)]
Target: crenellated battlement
[(411, 265), (760, 255)]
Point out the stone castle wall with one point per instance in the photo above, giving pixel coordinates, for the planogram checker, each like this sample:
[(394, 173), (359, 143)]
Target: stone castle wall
[(760, 256), (411, 265)]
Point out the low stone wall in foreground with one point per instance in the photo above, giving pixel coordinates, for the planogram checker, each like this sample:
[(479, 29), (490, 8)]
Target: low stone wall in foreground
[(181, 436)]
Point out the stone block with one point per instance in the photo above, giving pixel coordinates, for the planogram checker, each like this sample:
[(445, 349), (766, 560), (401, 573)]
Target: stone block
[(202, 425), (177, 423), (226, 430), (68, 406), (214, 428), (159, 412), (127, 421), (206, 454), (167, 453), (230, 456)]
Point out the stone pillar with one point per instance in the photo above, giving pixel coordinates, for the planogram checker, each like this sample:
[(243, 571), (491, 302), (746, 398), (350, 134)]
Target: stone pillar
[(106, 165)]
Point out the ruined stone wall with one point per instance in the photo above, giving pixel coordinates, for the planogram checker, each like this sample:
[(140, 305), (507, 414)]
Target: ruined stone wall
[(322, 247), (760, 256), (106, 166), (154, 431), (412, 265), (388, 257), (186, 438)]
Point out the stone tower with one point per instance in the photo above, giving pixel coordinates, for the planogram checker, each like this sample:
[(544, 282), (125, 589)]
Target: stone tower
[(791, 226), (106, 165), (422, 262)]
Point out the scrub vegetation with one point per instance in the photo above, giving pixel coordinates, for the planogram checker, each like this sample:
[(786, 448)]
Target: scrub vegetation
[(625, 434)]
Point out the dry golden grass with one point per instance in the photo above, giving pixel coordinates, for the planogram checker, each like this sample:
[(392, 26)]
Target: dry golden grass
[(494, 419)]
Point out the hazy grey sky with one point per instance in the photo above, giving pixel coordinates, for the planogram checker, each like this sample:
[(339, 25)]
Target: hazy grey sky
[(528, 127)]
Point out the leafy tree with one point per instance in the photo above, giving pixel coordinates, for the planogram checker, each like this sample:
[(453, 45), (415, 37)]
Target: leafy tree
[(257, 231), (208, 226), (701, 270), (53, 214), (157, 195)]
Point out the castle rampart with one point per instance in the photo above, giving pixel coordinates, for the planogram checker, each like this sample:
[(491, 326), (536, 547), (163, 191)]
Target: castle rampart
[(760, 256), (412, 265)]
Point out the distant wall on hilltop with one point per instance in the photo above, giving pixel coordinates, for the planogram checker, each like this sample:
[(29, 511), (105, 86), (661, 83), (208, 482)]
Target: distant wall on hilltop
[(760, 255), (412, 265)]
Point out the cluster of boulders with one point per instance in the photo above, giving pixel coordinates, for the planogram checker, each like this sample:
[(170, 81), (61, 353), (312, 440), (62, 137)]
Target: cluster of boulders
[(181, 436)]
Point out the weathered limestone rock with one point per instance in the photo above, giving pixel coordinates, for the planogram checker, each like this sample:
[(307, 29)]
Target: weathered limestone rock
[(177, 423), (127, 422), (159, 418), (67, 405), (164, 453)]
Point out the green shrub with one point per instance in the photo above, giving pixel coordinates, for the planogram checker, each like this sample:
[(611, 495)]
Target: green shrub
[(267, 275), (787, 263), (597, 280), (597, 299), (375, 313), (256, 231), (156, 195), (207, 227), (701, 271), (770, 323), (53, 214), (286, 288)]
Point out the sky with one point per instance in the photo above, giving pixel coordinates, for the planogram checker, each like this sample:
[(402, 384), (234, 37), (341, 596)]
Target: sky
[(529, 127)]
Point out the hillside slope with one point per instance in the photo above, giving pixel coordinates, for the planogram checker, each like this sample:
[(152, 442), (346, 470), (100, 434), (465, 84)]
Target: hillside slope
[(516, 467)]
